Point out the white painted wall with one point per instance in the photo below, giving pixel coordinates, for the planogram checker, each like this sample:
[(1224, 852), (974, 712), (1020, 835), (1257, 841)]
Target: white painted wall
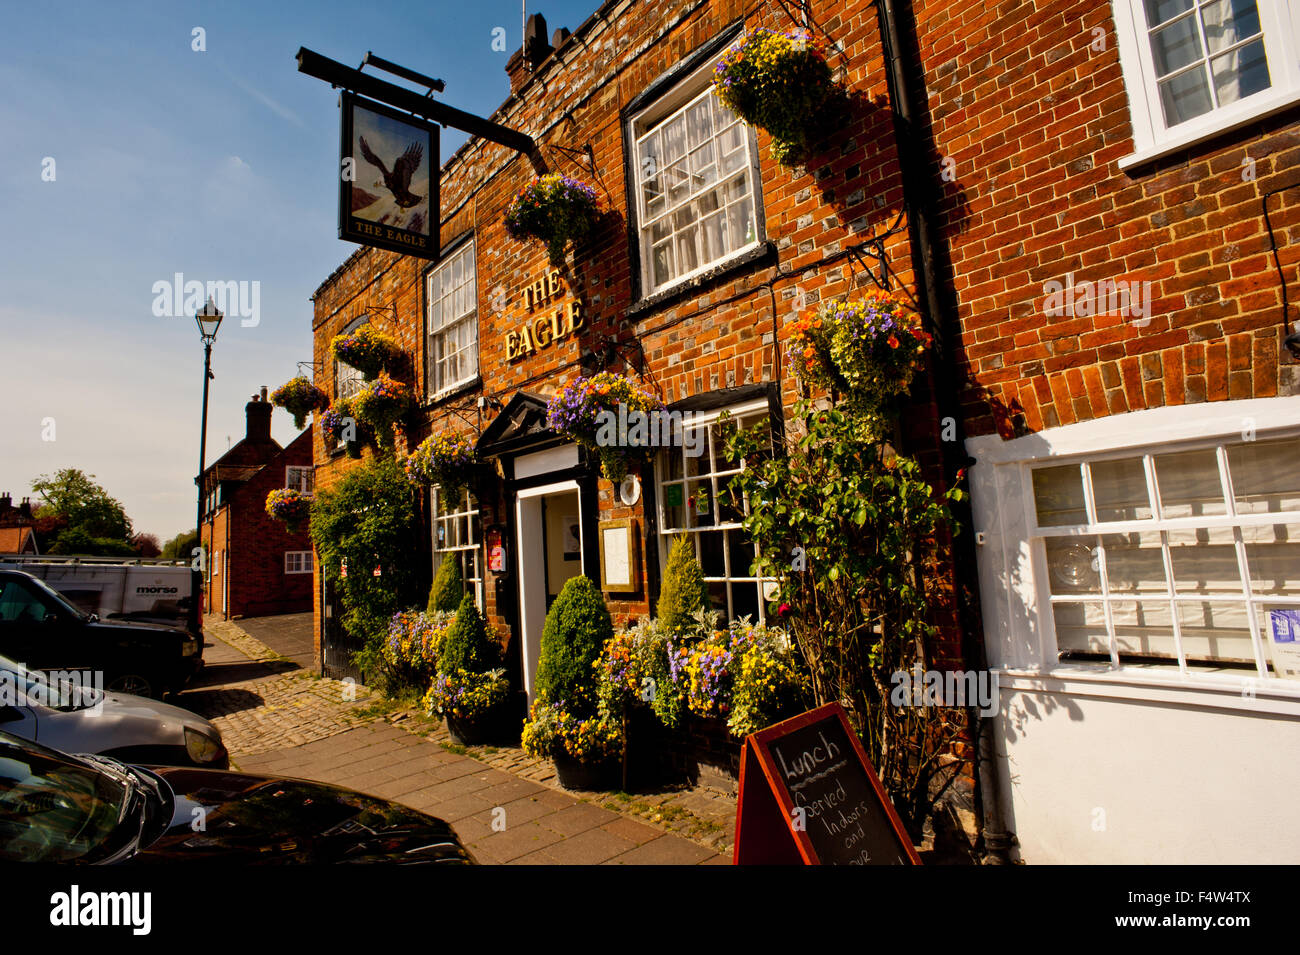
[(1175, 782)]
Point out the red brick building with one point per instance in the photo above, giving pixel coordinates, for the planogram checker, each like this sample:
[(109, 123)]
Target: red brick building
[(17, 527), (1093, 206), (255, 566)]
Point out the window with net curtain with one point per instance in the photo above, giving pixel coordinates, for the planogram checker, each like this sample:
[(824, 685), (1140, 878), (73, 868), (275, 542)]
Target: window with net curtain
[(456, 531), (1183, 557), (1206, 55), (694, 499), (452, 355), (696, 200)]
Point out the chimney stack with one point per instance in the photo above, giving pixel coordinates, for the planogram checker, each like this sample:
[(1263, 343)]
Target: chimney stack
[(527, 58), (25, 508), (258, 413), (6, 503)]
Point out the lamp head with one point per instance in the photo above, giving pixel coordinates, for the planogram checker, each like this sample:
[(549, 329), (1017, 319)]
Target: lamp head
[(208, 319)]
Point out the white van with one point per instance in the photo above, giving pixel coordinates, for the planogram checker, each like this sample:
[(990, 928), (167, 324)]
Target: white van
[(144, 590)]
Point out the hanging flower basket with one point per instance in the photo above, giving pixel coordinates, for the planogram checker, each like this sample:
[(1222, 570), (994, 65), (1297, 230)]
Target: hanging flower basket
[(865, 351), (554, 209), (782, 83), (337, 421), (366, 349), (299, 397), (290, 506), (444, 459), (587, 411), (381, 405)]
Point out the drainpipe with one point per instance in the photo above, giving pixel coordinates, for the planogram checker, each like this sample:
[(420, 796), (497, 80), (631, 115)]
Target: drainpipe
[(918, 203)]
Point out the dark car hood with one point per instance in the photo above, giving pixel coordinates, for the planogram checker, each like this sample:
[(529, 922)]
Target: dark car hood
[(109, 627), (240, 817)]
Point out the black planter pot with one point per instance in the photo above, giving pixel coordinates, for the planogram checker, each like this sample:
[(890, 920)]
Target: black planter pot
[(490, 727), (601, 777), (645, 742)]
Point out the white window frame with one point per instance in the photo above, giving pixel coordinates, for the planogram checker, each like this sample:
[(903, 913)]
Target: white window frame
[(298, 562), (469, 553), (1280, 24), (434, 387), (644, 123), (718, 479), (306, 478), (1014, 591)]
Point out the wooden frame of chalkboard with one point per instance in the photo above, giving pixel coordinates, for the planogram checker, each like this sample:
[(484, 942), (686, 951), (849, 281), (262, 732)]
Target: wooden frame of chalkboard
[(766, 833)]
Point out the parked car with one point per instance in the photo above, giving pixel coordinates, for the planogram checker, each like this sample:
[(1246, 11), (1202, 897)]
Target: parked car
[(142, 590), (40, 628), (94, 809), (130, 728)]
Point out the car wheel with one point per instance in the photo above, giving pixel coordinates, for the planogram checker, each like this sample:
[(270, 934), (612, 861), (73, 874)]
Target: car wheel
[(136, 684)]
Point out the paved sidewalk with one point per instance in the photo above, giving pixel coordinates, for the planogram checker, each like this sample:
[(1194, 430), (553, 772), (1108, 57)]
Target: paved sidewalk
[(278, 718)]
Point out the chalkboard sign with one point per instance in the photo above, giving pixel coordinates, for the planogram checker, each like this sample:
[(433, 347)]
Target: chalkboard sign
[(808, 794)]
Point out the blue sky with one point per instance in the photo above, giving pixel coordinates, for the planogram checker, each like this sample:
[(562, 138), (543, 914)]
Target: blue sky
[(220, 165)]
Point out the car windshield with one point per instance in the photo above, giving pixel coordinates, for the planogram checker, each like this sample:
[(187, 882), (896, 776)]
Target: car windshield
[(64, 603), (54, 808)]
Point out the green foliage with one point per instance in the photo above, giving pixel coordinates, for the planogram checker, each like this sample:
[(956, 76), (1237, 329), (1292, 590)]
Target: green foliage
[(448, 587), (467, 646), (181, 546), (683, 593), (575, 631), (850, 530), (84, 519), (368, 519)]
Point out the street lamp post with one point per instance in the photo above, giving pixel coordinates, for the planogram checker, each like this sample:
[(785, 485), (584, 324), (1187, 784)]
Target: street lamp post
[(208, 319)]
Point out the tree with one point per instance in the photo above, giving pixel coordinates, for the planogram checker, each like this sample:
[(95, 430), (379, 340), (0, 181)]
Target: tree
[(181, 547), (576, 630), (467, 646), (146, 545), (95, 523)]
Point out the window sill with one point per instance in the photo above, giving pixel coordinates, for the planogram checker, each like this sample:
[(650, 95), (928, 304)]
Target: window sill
[(452, 392), (1203, 133), (745, 260), (1147, 684)]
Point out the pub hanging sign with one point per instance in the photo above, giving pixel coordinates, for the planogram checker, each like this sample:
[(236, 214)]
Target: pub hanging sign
[(388, 179)]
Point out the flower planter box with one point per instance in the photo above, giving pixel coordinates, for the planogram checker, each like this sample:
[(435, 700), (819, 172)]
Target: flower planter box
[(600, 777)]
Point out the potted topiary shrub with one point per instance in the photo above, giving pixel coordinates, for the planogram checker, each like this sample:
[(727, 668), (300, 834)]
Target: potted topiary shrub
[(470, 691), (448, 587), (555, 209), (299, 397), (683, 593), (585, 742)]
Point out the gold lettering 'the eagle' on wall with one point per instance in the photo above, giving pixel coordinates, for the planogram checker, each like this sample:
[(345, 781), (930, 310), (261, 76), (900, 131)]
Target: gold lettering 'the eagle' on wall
[(538, 331)]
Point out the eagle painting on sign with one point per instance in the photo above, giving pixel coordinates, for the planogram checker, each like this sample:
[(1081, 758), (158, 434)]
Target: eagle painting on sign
[(389, 179)]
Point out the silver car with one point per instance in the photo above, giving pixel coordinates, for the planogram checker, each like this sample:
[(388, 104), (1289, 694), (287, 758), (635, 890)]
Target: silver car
[(84, 719)]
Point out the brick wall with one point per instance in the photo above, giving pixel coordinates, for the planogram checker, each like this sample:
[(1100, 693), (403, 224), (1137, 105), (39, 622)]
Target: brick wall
[(1029, 102)]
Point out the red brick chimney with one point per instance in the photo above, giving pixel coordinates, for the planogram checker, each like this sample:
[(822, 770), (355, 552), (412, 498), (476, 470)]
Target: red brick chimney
[(524, 61), (258, 413)]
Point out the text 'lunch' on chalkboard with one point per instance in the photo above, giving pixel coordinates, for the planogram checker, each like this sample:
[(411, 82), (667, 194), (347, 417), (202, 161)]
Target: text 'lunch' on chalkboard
[(808, 794)]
